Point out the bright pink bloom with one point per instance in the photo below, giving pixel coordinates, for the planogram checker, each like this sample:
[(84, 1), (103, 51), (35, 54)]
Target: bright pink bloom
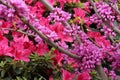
[(59, 29), (67, 75), (28, 1), (99, 39), (42, 48), (102, 42), (21, 48), (51, 77), (81, 16), (3, 25), (93, 34), (84, 76), (86, 6), (58, 57), (4, 48), (79, 12)]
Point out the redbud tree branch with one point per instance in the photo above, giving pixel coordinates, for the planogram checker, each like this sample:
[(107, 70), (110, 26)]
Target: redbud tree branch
[(103, 24), (43, 36), (65, 23), (18, 30), (114, 27), (47, 40), (99, 68)]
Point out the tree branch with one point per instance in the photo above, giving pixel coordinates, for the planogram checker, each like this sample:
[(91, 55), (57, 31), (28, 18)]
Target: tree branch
[(47, 5), (95, 9), (43, 36), (65, 23), (47, 40), (98, 67), (101, 72), (23, 32)]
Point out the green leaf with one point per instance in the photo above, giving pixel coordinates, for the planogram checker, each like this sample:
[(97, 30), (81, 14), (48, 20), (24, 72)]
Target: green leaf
[(81, 5), (24, 78), (2, 63), (2, 73), (18, 78)]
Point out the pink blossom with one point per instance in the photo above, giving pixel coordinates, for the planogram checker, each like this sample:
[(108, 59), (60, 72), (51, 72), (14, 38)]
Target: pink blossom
[(87, 6), (4, 48), (21, 48), (51, 77), (3, 25), (28, 1), (58, 57), (102, 42), (59, 29), (81, 16), (84, 76), (93, 34), (42, 48), (67, 75), (99, 39)]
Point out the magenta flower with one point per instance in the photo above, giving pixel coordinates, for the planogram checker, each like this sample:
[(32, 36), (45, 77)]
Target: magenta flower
[(59, 29), (84, 76), (21, 48), (42, 48), (80, 15), (4, 48), (67, 75), (58, 57)]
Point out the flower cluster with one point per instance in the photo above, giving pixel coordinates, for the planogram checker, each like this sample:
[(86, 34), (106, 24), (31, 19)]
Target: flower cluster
[(20, 6), (108, 31), (105, 11), (111, 74), (72, 33), (90, 54), (58, 15)]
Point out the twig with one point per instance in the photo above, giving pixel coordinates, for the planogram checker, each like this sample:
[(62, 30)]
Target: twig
[(23, 32), (101, 72), (65, 23), (47, 5), (47, 40), (113, 7), (43, 36), (99, 68), (103, 24), (112, 40)]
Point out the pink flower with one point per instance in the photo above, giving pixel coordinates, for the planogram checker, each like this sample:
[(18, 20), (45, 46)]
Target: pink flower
[(4, 48), (79, 12), (87, 6), (51, 77), (81, 16), (99, 39), (22, 55), (58, 57), (59, 29), (67, 75), (21, 48), (84, 76), (42, 48), (93, 34), (28, 1), (3, 25), (102, 42)]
